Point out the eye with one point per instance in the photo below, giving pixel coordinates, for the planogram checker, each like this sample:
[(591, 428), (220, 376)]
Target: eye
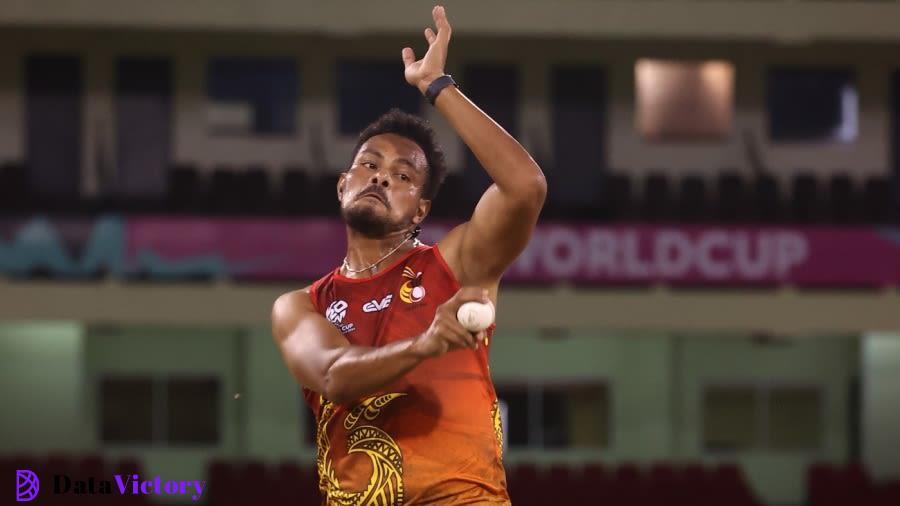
[(404, 177), (368, 165)]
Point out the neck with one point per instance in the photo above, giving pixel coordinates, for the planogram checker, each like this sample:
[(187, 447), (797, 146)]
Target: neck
[(364, 251)]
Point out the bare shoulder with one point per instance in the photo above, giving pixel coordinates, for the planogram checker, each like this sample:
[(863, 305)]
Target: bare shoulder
[(288, 309)]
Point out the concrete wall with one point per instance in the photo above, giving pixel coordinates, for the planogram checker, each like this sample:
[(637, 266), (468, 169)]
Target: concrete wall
[(316, 56), (780, 19)]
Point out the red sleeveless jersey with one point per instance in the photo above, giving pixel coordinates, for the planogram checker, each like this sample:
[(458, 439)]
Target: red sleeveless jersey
[(432, 436)]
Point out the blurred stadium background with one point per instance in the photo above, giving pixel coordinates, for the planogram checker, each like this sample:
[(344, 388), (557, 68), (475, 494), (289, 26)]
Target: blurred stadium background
[(709, 313)]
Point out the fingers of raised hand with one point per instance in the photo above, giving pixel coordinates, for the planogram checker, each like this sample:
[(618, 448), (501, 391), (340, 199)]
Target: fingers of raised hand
[(440, 20), (408, 55), (430, 36)]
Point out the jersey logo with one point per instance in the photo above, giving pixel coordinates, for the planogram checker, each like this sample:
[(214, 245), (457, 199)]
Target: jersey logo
[(412, 291), (373, 306), (336, 312)]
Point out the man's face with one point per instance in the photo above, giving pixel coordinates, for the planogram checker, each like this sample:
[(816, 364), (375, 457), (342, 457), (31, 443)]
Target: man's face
[(382, 191)]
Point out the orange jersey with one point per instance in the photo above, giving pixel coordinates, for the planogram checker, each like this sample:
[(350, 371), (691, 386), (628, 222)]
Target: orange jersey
[(431, 437)]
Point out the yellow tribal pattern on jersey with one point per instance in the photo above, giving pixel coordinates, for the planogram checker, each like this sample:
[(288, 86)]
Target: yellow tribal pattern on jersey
[(385, 486), (498, 426)]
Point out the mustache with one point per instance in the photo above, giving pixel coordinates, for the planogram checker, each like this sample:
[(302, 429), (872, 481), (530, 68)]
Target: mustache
[(377, 191)]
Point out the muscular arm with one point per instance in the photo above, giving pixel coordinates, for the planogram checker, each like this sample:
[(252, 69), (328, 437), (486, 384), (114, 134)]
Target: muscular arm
[(321, 358), (480, 250), (502, 223)]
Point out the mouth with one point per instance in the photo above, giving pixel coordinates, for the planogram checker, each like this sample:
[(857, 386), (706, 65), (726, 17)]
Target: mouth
[(373, 196)]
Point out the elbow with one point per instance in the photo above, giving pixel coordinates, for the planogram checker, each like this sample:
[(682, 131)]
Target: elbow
[(334, 389), (334, 392), (534, 190)]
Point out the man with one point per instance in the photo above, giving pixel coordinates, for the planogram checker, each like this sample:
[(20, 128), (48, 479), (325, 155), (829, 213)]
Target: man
[(406, 409)]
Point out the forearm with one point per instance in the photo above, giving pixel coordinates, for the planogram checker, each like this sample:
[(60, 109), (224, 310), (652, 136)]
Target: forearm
[(362, 370), (505, 160)]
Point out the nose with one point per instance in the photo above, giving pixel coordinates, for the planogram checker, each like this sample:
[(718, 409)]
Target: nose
[(382, 179)]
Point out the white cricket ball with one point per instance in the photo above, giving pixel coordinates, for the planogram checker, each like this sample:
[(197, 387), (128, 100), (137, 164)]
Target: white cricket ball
[(475, 316)]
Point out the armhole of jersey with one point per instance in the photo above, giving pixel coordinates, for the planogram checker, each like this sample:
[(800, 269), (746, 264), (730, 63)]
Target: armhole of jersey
[(445, 266), (314, 294)]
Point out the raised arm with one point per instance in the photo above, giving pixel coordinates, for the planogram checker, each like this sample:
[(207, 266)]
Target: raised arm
[(501, 225), (323, 360)]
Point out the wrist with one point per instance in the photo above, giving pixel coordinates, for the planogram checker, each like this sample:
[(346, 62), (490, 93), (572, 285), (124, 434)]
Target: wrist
[(425, 82), (437, 87)]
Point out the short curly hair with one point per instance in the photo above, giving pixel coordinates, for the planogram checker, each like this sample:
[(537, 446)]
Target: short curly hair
[(417, 130)]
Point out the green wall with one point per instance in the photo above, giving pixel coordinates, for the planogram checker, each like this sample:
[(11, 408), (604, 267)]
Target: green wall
[(825, 362), (50, 374), (164, 352), (881, 401), (272, 402), (42, 388), (657, 384)]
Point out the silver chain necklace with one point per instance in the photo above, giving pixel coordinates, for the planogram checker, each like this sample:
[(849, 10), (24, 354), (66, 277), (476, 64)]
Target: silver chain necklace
[(347, 268)]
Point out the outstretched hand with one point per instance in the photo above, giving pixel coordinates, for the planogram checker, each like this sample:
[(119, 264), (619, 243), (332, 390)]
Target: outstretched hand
[(420, 73)]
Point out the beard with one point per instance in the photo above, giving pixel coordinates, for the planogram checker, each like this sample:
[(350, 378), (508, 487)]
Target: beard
[(367, 222)]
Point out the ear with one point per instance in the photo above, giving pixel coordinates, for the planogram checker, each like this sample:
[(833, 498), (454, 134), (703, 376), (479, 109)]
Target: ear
[(421, 211), (342, 180)]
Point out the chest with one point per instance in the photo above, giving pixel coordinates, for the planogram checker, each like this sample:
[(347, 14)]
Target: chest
[(396, 306)]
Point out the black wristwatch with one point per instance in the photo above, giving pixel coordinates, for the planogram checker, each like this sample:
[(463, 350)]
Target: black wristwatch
[(438, 85)]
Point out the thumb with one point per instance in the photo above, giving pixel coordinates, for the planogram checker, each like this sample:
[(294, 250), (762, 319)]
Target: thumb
[(408, 56)]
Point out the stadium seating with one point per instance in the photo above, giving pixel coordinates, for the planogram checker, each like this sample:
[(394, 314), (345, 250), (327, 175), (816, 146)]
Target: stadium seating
[(656, 484), (256, 198), (731, 198), (660, 484), (767, 204), (294, 187), (805, 199), (525, 484), (724, 198), (664, 485), (186, 193), (225, 192), (887, 494), (876, 207), (13, 187), (728, 486), (617, 199), (222, 483), (830, 485), (693, 205), (287, 483), (656, 203), (843, 201), (322, 195)]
